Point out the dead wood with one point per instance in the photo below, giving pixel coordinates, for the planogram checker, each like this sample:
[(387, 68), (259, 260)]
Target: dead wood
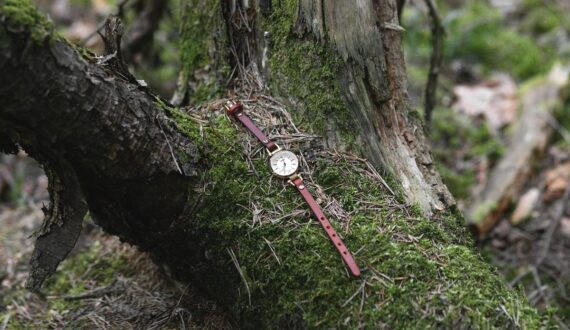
[(529, 140), (111, 152)]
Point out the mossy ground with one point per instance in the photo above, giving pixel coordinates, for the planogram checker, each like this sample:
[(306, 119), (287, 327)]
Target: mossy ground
[(417, 272), (479, 34), (102, 284)]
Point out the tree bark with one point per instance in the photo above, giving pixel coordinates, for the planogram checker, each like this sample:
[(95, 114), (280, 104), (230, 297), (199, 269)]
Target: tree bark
[(194, 191), (118, 150), (373, 84)]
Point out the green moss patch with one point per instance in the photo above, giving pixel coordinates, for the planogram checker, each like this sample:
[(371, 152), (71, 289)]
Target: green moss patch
[(478, 34), (417, 272), (22, 15), (202, 61), (305, 72)]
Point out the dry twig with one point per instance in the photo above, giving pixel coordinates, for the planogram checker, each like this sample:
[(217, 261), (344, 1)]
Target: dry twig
[(436, 57)]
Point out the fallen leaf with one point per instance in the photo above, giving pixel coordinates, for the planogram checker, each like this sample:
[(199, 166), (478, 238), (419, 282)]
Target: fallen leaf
[(556, 181), (525, 205), (495, 100)]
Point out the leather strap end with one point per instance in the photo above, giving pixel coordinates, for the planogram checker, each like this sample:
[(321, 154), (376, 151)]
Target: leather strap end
[(332, 234)]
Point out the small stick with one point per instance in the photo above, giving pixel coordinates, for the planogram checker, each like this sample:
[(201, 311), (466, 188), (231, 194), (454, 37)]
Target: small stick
[(553, 226), (437, 35)]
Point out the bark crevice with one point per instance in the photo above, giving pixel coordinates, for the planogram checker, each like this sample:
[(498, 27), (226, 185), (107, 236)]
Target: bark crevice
[(120, 155)]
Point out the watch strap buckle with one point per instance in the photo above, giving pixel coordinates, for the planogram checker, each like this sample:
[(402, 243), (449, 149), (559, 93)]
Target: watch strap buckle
[(294, 177)]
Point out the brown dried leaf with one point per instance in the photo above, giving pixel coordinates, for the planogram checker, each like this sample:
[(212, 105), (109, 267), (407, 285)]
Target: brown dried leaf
[(556, 181), (495, 100), (525, 205)]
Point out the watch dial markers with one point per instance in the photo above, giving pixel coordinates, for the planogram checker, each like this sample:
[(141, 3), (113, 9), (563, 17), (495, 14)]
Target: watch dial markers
[(284, 163)]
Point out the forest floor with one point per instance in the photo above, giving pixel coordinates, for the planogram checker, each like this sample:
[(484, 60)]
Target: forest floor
[(493, 50), (103, 284)]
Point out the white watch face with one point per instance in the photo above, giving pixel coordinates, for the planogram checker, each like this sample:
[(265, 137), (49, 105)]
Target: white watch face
[(284, 163)]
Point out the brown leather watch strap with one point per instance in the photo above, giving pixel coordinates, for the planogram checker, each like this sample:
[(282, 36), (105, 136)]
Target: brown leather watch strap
[(333, 236), (236, 110)]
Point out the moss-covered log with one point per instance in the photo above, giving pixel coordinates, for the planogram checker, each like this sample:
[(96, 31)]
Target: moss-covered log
[(195, 191)]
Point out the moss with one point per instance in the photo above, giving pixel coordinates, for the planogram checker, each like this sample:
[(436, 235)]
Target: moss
[(81, 3), (305, 72), (479, 35), (99, 268), (536, 18), (85, 270), (200, 20), (418, 272), (22, 15)]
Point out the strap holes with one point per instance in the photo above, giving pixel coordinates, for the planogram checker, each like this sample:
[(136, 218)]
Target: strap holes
[(322, 218), (345, 252), (328, 227), (333, 235), (339, 243)]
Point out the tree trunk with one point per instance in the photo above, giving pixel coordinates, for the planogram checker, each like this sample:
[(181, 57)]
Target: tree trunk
[(193, 189), (363, 47)]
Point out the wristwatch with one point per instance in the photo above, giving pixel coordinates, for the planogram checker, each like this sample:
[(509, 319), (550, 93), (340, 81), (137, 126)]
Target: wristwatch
[(285, 164)]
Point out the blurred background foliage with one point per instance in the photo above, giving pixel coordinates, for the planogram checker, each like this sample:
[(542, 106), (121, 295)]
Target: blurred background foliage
[(496, 44)]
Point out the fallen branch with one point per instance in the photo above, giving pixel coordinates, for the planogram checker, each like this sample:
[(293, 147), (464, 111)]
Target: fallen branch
[(529, 140)]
